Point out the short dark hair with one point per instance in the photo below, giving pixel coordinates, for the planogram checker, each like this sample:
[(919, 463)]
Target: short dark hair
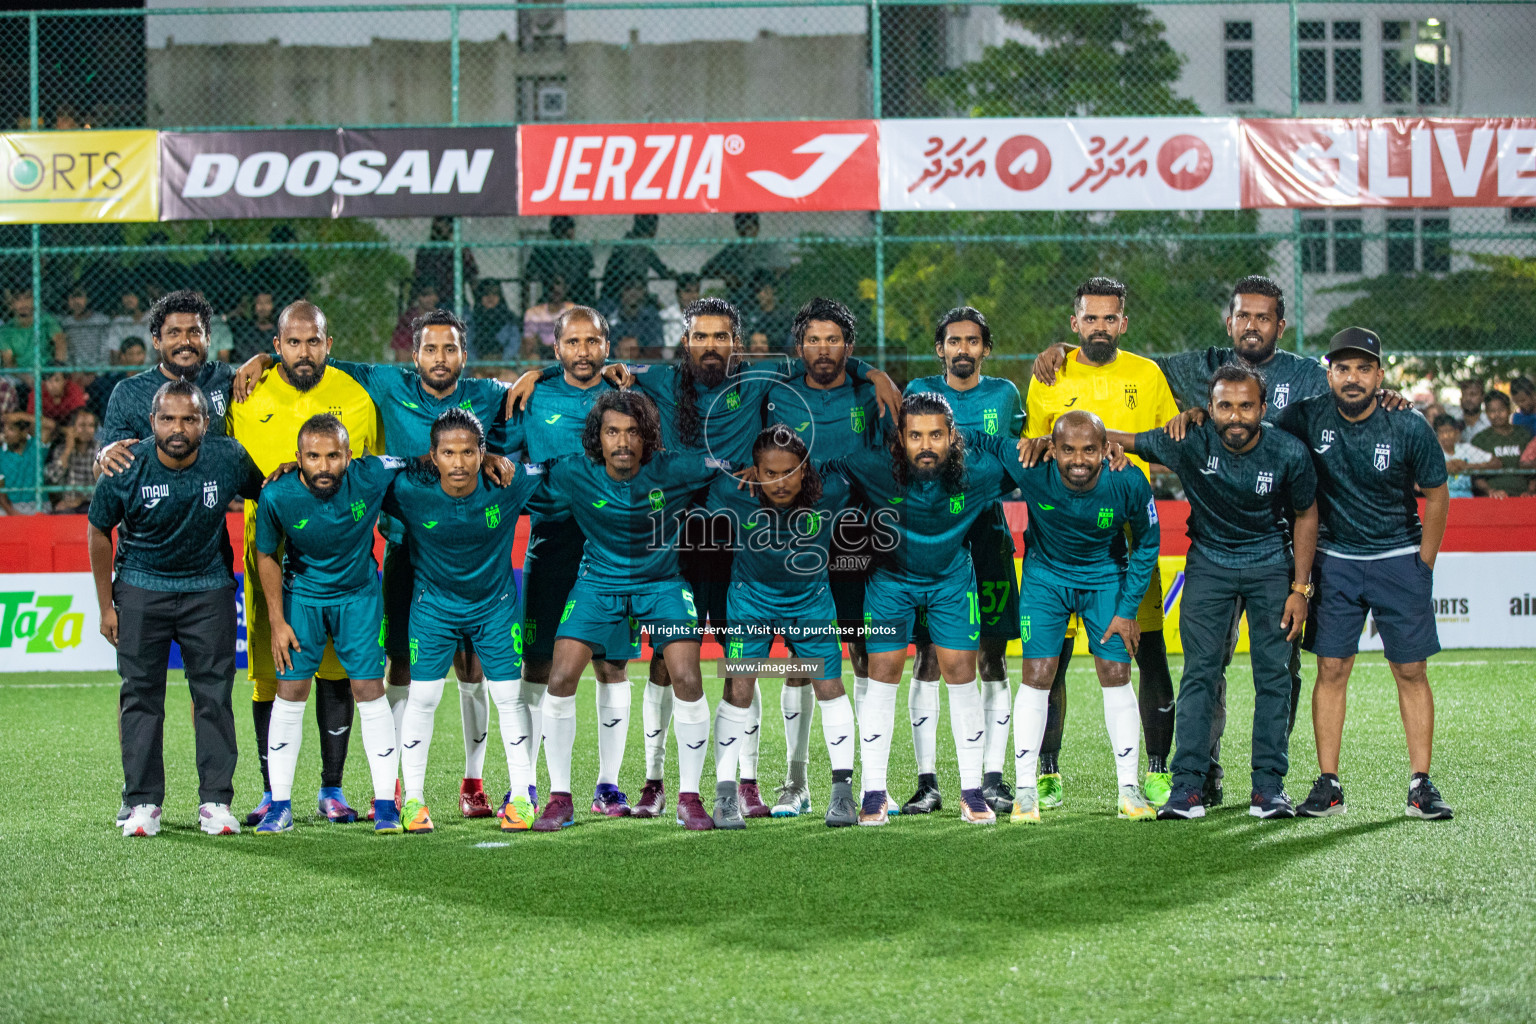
[(779, 437), (1522, 386), (1258, 284), (436, 318), (326, 425), (959, 315), (829, 310), (79, 289), (713, 307), (1236, 373), (182, 389), (745, 220), (1099, 286), (581, 313), (1497, 396), (129, 342), (303, 309), (629, 403), (182, 301), (1447, 420), (458, 419)]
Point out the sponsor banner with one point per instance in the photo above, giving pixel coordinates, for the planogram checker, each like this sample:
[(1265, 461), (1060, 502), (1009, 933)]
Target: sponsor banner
[(1165, 163), (78, 177), (1406, 161), (394, 172), (746, 167)]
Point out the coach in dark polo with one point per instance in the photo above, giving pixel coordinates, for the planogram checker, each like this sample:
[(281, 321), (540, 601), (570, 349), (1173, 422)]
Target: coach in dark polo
[(1245, 480), (173, 583)]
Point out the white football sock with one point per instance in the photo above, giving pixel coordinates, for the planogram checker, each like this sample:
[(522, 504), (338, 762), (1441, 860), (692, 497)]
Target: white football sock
[(397, 696), (965, 722), (837, 726), (875, 725), (475, 710), (731, 725), (923, 707), (612, 730), (380, 744), (416, 734), (516, 732), (997, 712), (1123, 721), (1029, 711), (533, 696), (860, 687), (796, 703), (752, 734), (559, 739), (655, 716), (283, 737), (692, 737)]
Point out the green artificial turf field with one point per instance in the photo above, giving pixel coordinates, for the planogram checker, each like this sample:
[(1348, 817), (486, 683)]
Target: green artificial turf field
[(1367, 917)]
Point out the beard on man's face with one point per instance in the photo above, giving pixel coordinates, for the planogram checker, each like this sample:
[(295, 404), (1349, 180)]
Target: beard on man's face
[(710, 369), (1253, 348), (178, 445), (304, 373), (1353, 401), (825, 369), (962, 367), (186, 371), (322, 485), (1100, 347)]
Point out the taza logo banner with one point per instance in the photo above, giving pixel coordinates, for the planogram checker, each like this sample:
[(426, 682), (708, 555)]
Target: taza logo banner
[(1163, 163), (78, 177), (394, 172), (726, 167)]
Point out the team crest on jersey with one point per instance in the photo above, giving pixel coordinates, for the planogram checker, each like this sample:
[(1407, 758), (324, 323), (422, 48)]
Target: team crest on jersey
[(334, 410), (1383, 457), (856, 420), (492, 517), (1282, 396), (989, 421), (957, 503), (1024, 628), (1130, 396), (531, 630), (467, 405), (733, 400), (658, 499), (1266, 483), (570, 606), (1106, 518), (216, 399), (210, 494), (413, 650), (358, 508)]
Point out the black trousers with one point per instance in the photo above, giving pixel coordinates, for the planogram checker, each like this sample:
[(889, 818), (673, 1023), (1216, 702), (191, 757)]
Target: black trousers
[(203, 623), (1211, 594)]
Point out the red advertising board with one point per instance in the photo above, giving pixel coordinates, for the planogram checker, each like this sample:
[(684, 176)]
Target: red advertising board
[(724, 167), (1406, 161)]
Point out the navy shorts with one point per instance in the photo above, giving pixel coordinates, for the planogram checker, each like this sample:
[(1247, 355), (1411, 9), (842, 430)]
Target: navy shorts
[(1397, 591)]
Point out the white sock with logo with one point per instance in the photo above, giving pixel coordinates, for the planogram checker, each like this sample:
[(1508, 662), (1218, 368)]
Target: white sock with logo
[(613, 701), (875, 726), (752, 734), (516, 732), (283, 737), (923, 708), (397, 696), (965, 723), (533, 696), (1123, 721), (796, 704), (475, 709), (416, 734), (380, 744), (1029, 710), (559, 740), (838, 727), (997, 712), (692, 737), (731, 725), (655, 716)]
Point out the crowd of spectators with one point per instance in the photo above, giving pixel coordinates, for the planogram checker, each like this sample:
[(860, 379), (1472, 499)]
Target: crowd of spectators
[(1486, 431)]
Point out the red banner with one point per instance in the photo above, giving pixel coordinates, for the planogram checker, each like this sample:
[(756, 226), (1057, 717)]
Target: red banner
[(745, 167), (1407, 161)]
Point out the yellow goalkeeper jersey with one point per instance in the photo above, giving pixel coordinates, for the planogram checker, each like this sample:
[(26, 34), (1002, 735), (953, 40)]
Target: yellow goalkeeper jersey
[(1129, 394)]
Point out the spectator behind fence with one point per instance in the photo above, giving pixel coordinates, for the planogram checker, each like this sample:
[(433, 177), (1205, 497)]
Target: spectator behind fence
[(130, 357), (221, 337), (72, 461), (87, 333), (223, 282), (436, 264), (1500, 447), (249, 336), (157, 274), (10, 397), (16, 342), (61, 396), (18, 466), (425, 301), (538, 327), (130, 321), (1459, 455), (1523, 391), (673, 324), (489, 318), (282, 273), (766, 319), (632, 260), (572, 262), (1473, 422), (735, 265), (633, 316)]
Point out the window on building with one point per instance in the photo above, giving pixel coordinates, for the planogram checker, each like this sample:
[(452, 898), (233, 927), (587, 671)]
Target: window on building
[(1329, 61), (1239, 57), (1522, 214), (1415, 63), (1419, 242), (1331, 244)]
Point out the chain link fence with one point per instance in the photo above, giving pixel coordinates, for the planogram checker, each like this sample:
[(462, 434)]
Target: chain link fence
[(1452, 291)]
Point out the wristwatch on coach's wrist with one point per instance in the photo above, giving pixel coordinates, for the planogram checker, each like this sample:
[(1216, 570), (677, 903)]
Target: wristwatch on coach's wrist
[(1306, 590)]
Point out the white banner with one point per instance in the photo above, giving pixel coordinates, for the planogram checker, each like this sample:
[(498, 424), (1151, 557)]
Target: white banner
[(1108, 163), (1482, 599), (49, 623)]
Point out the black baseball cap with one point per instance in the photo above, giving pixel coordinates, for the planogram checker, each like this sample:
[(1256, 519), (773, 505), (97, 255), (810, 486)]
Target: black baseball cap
[(1355, 339)]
